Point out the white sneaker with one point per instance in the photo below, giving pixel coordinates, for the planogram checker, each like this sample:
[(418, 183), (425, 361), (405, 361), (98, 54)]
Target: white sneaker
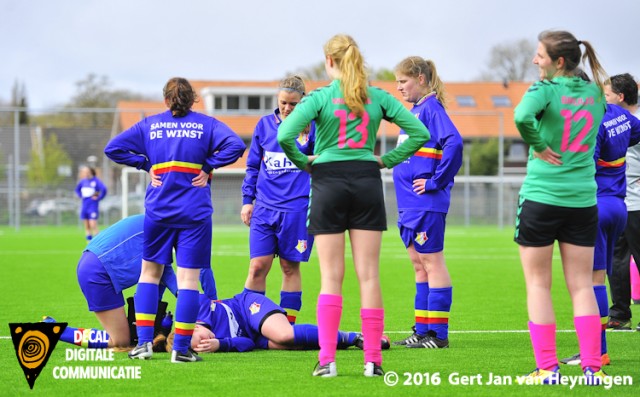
[(326, 371), (372, 369), (142, 352)]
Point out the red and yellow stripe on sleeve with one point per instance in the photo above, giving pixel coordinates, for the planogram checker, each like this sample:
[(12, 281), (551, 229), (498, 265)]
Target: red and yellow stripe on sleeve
[(612, 164), (431, 153)]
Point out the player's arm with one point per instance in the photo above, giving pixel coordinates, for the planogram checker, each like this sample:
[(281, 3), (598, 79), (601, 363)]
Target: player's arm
[(238, 344), (226, 147), (129, 148), (290, 128)]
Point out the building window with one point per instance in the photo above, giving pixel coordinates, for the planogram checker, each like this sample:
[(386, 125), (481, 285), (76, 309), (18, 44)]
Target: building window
[(268, 103), (466, 101), (501, 101), (233, 102), (253, 102), (217, 103)]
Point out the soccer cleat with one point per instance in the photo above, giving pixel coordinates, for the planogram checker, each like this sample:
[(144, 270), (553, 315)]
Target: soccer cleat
[(384, 342), (618, 325), (142, 352), (372, 369), (429, 341), (326, 371), (541, 377), (189, 357), (413, 338), (594, 378), (575, 360)]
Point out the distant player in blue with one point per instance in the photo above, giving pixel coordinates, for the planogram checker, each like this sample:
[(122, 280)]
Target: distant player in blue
[(252, 321), (280, 191), (619, 131), (91, 190), (423, 190), (180, 148), (110, 264)]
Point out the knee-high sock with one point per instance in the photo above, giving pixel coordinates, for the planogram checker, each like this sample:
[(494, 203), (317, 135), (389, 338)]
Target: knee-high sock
[(603, 306), (146, 304), (328, 312), (421, 306), (306, 336), (91, 338), (439, 307), (543, 340), (588, 329), (634, 274), (291, 302), (372, 328), (186, 313)]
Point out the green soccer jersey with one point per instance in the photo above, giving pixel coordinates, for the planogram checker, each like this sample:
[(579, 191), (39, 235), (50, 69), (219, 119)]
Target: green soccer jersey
[(563, 114), (341, 136)]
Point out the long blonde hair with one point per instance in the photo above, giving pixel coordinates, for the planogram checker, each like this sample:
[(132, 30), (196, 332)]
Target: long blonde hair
[(344, 52), (415, 66)]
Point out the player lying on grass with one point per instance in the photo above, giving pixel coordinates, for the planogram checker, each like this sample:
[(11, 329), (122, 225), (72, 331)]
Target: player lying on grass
[(111, 263), (252, 321)]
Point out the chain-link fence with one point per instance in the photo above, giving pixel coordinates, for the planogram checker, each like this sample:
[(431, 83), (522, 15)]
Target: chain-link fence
[(39, 162)]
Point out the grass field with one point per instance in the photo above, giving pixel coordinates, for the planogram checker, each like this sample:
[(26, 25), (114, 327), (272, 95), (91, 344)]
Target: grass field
[(488, 323)]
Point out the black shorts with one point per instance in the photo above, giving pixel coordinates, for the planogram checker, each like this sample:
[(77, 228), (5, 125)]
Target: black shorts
[(346, 195), (539, 225)]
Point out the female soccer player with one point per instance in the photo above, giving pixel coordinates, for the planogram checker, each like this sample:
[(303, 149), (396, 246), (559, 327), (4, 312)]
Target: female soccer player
[(278, 220), (619, 131), (249, 320), (91, 190), (182, 147), (423, 190), (346, 189), (110, 264), (559, 118)]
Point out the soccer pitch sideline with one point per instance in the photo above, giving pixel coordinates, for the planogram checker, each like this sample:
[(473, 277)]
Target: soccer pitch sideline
[(489, 343)]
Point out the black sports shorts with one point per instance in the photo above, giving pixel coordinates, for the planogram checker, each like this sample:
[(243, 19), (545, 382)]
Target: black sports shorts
[(346, 195)]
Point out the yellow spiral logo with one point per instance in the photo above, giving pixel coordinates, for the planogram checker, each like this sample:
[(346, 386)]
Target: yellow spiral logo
[(33, 349)]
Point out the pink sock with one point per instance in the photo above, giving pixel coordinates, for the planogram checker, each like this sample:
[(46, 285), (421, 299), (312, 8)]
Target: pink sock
[(635, 281), (328, 312), (588, 329), (372, 327), (543, 339)]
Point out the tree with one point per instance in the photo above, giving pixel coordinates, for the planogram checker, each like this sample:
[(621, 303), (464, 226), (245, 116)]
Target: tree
[(91, 92), (483, 156), (383, 74), (44, 164), (19, 100), (511, 61), (317, 73)]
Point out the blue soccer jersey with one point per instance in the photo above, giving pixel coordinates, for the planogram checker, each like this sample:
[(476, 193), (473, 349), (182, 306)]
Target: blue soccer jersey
[(618, 131), (272, 180), (438, 161), (177, 148), (91, 191)]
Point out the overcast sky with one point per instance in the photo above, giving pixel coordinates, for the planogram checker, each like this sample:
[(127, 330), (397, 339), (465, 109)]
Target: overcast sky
[(49, 45)]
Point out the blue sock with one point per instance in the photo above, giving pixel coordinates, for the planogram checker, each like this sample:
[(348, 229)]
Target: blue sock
[(186, 315), (146, 303), (89, 237), (291, 302), (247, 291), (306, 336), (439, 308), (421, 306), (603, 306)]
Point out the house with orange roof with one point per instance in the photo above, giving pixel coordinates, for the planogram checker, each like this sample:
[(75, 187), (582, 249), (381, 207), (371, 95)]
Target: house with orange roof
[(480, 110)]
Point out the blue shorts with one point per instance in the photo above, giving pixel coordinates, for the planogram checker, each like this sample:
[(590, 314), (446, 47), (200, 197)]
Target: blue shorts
[(425, 230), (90, 210), (96, 284), (253, 310), (612, 219), (192, 245), (280, 233)]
